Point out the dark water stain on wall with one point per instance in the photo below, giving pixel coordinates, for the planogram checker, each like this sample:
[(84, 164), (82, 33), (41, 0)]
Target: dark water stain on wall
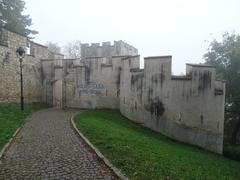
[(156, 108), (158, 78), (140, 89), (204, 80), (137, 84), (118, 81), (87, 74), (135, 78), (162, 75), (149, 95)]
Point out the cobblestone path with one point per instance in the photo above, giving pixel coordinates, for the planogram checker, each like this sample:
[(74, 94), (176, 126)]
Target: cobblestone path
[(48, 148)]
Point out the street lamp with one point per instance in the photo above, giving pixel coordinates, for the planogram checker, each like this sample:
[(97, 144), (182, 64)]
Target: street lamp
[(20, 54)]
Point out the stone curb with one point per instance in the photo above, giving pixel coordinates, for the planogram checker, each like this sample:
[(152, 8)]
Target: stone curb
[(7, 145), (99, 154)]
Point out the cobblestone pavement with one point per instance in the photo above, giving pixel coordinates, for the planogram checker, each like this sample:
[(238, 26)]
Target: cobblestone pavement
[(48, 148)]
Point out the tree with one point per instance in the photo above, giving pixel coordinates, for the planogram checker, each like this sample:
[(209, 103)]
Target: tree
[(225, 55), (13, 19), (73, 49), (54, 47)]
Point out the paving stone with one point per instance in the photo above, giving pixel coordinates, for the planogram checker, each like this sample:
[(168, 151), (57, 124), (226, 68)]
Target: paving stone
[(48, 148)]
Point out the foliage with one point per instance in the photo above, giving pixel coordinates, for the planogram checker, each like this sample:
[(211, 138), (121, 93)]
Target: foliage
[(232, 151), (73, 49), (11, 118), (143, 154), (225, 55), (54, 47), (13, 19)]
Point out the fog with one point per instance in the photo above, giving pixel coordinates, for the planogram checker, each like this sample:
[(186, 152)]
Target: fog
[(182, 29)]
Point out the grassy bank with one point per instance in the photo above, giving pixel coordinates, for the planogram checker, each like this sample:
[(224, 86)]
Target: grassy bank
[(12, 118), (143, 154)]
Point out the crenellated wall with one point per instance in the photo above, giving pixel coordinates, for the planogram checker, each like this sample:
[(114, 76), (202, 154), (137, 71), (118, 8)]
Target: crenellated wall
[(186, 108), (119, 48), (92, 83)]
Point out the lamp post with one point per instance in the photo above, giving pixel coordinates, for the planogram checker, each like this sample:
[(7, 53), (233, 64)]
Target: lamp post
[(20, 54)]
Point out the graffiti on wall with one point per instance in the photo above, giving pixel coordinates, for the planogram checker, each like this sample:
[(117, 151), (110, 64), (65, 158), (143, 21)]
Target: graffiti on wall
[(91, 88)]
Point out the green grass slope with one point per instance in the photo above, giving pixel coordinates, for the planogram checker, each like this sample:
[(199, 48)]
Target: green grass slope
[(143, 154)]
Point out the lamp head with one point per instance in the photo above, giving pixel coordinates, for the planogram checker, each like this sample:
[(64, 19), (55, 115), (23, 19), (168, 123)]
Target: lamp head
[(20, 52)]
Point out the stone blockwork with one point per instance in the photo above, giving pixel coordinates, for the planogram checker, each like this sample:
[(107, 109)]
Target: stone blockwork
[(119, 48), (187, 108), (10, 69)]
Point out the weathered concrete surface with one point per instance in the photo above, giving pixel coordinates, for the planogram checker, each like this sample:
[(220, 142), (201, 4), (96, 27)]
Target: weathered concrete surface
[(187, 108), (48, 148)]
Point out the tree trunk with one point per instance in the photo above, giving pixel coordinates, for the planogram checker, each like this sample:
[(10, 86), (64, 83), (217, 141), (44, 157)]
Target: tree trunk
[(236, 129)]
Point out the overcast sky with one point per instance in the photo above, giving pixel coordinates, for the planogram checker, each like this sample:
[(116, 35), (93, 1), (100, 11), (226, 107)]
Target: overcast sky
[(182, 29)]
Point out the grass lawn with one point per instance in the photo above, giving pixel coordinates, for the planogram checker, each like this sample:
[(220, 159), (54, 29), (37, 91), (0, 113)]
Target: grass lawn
[(143, 154), (12, 118)]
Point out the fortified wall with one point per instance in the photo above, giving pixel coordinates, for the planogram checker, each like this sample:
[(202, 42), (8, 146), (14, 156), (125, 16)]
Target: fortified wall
[(10, 68), (119, 48), (186, 108)]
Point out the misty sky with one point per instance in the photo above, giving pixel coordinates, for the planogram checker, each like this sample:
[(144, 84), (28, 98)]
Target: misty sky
[(182, 29)]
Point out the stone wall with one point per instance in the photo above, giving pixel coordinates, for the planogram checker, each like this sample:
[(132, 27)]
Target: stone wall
[(10, 69), (119, 48), (186, 108), (93, 83)]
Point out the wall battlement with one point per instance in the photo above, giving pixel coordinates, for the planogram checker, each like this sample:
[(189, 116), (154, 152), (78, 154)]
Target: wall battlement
[(107, 50), (186, 108)]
